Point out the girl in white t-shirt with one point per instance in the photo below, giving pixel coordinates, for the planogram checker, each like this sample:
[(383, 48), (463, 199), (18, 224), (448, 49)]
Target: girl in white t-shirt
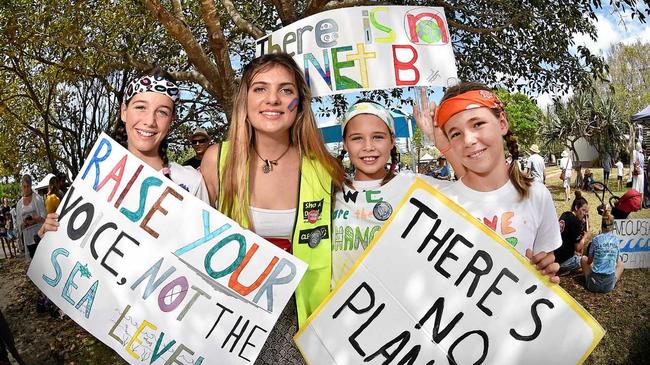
[(371, 196), (499, 195)]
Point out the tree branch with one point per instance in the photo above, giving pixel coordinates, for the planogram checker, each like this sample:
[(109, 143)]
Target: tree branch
[(195, 53), (193, 76), (219, 48), (178, 10), (286, 10), (313, 7), (239, 21), (450, 9), (337, 4), (476, 30)]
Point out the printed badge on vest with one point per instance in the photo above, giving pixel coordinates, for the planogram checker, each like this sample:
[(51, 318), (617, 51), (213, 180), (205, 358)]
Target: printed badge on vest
[(311, 211), (313, 236)]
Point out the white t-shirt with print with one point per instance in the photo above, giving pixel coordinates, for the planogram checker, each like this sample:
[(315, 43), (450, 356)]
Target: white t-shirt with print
[(360, 213), (529, 223), (189, 179)]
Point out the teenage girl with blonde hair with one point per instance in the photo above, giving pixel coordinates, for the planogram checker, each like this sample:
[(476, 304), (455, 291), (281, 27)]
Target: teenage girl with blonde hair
[(275, 177)]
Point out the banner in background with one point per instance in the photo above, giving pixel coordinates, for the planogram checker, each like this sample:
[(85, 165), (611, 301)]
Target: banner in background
[(367, 48)]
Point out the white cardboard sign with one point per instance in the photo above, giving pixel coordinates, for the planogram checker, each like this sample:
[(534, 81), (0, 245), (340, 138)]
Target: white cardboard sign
[(368, 48), (634, 243), (436, 286), (157, 274)]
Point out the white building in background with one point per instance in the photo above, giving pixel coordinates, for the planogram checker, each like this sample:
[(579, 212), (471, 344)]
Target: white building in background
[(586, 152)]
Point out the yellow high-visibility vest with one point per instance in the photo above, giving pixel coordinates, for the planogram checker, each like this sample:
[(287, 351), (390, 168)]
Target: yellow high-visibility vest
[(312, 231)]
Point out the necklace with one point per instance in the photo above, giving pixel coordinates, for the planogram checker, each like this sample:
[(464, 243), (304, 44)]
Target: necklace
[(268, 164)]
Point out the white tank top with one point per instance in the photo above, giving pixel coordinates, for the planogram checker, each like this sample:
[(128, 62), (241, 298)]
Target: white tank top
[(273, 223)]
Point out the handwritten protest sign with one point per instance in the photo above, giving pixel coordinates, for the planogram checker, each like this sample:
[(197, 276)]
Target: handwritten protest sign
[(157, 274), (634, 244), (437, 286), (367, 48)]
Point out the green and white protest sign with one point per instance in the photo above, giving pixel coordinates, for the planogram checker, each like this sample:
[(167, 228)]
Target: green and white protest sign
[(367, 48), (436, 286), (156, 273)]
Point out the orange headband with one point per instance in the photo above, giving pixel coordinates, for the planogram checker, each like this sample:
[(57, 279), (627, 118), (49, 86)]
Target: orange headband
[(468, 100)]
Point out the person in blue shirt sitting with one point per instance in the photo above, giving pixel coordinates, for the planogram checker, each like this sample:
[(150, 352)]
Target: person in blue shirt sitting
[(441, 171), (588, 181), (603, 266)]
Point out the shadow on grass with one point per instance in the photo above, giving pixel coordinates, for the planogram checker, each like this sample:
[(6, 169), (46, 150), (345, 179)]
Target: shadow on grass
[(623, 313)]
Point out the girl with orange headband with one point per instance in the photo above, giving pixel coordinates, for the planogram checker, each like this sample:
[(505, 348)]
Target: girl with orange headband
[(473, 120)]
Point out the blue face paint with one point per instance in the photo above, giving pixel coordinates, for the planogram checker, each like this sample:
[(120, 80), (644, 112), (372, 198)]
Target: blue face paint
[(293, 104)]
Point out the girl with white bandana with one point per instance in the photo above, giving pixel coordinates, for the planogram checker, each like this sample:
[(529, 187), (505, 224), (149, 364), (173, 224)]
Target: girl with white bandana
[(369, 199), (147, 113)]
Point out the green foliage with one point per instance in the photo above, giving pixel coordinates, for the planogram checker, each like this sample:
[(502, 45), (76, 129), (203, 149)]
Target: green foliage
[(524, 117), (10, 190), (586, 114), (601, 114), (629, 77)]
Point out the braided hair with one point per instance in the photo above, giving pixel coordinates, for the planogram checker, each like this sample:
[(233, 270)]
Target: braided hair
[(119, 131), (393, 165), (340, 158), (521, 181)]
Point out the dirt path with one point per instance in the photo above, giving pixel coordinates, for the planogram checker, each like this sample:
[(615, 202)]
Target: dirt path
[(45, 338), (18, 297)]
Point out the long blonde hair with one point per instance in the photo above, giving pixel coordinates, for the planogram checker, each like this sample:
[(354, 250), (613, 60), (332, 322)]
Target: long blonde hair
[(304, 133), (520, 181)]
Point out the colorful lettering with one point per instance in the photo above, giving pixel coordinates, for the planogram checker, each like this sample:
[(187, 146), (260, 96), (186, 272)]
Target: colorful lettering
[(324, 72), (97, 158), (405, 65), (57, 267), (144, 190), (361, 56), (342, 82), (390, 37), (116, 175), (244, 290)]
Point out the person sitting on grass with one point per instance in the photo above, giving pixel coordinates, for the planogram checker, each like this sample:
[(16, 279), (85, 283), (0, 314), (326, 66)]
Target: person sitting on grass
[(588, 181), (574, 230), (603, 267)]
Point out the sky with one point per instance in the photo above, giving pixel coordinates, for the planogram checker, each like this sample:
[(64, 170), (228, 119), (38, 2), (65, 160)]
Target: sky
[(613, 27)]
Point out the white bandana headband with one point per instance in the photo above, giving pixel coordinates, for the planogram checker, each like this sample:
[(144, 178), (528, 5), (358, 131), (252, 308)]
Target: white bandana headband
[(369, 108), (156, 84)]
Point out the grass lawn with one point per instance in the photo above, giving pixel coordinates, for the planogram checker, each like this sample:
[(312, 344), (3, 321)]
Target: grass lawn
[(623, 313)]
